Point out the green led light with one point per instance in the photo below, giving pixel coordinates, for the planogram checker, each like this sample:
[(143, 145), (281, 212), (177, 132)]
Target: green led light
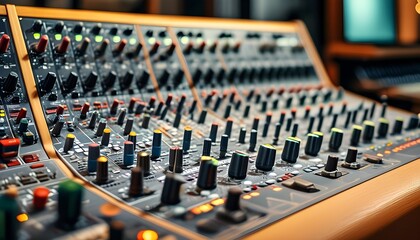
[(184, 40), (167, 41), (199, 40), (151, 40), (116, 39), (78, 38), (37, 35), (99, 38), (58, 36), (132, 41)]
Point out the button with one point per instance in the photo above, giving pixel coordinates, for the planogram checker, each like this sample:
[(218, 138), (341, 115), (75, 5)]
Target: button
[(9, 147), (40, 197), (300, 185)]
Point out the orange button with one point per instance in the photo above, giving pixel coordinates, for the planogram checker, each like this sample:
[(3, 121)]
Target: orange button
[(37, 165), (40, 197)]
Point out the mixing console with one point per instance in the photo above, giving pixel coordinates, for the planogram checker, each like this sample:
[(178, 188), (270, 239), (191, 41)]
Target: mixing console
[(216, 131)]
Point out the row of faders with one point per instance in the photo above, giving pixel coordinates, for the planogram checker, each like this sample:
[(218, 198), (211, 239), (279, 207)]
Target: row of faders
[(262, 139), (35, 195)]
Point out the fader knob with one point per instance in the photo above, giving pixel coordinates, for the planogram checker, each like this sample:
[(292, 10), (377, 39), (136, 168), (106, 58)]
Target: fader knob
[(355, 135), (171, 189), (90, 81), (156, 144), (335, 139), (266, 157), (143, 161), (291, 150), (70, 195), (93, 155), (332, 163), (398, 126), (136, 182), (49, 81), (383, 128), (62, 47), (175, 159), (368, 131), (59, 26), (351, 155), (128, 156), (186, 140), (413, 122), (238, 166), (41, 46), (101, 170), (4, 43), (10, 83), (68, 144), (207, 174), (71, 82), (37, 26), (9, 209), (311, 147)]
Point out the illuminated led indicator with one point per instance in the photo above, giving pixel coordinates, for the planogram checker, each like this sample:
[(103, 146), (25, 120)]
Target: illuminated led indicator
[(246, 197), (255, 194), (387, 152), (116, 39), (99, 38), (132, 41), (147, 235), (23, 217), (196, 211), (217, 202), (58, 37), (78, 38), (37, 35), (206, 208), (277, 189), (151, 40), (167, 41), (209, 42), (184, 40)]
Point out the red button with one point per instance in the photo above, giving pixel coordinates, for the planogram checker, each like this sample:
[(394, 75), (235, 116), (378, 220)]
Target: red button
[(40, 197), (37, 165), (9, 147), (13, 162)]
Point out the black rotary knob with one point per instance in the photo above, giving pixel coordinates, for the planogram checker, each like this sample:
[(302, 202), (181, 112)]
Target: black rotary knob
[(171, 189), (90, 81), (291, 150), (71, 81), (336, 139), (96, 29), (37, 26), (383, 128), (266, 157), (351, 155), (368, 131), (332, 163), (312, 143), (49, 81), (233, 199), (109, 80), (413, 122), (143, 161), (127, 80), (238, 165), (207, 174), (355, 135), (102, 170), (175, 159), (398, 126), (136, 182), (78, 28), (59, 26), (10, 83)]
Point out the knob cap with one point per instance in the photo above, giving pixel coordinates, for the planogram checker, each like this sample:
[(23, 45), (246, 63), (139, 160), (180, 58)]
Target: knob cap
[(238, 165), (398, 126), (59, 26), (171, 189), (70, 195), (143, 161), (62, 47), (40, 197), (312, 143), (175, 159), (37, 26), (83, 46), (90, 81), (207, 147), (136, 182), (9, 208), (48, 83), (351, 155), (156, 143), (413, 122), (128, 156), (266, 157), (4, 43), (291, 150), (71, 82), (78, 28), (127, 80), (96, 29), (186, 140), (68, 144), (101, 49), (41, 46), (102, 170), (332, 163), (383, 128), (106, 135), (368, 131), (233, 199), (93, 155), (355, 135), (207, 174), (10, 84), (335, 139)]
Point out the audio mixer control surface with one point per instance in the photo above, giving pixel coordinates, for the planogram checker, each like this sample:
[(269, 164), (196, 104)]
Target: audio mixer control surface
[(179, 128)]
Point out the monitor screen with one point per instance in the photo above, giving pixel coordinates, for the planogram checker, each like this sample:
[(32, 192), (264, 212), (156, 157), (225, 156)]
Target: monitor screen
[(369, 21)]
